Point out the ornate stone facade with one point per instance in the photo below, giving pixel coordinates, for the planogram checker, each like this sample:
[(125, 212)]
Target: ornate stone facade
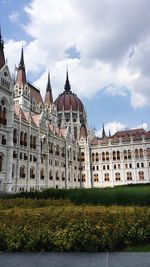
[(48, 144)]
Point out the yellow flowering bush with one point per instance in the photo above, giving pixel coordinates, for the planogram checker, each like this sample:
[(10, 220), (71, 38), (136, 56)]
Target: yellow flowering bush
[(62, 226)]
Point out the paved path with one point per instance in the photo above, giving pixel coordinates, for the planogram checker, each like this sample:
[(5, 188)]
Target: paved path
[(49, 259)]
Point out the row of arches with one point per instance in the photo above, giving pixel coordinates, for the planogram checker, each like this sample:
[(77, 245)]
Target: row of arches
[(116, 155), (24, 139)]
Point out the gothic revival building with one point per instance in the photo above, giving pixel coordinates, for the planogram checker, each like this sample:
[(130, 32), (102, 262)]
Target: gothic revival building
[(46, 143)]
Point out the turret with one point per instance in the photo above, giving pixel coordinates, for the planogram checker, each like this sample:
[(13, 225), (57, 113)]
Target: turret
[(48, 95), (2, 57), (21, 75)]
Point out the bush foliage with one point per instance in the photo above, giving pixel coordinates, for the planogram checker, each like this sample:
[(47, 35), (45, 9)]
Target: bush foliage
[(62, 226), (120, 195)]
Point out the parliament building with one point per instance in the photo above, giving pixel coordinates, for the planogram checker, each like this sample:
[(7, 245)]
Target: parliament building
[(46, 143)]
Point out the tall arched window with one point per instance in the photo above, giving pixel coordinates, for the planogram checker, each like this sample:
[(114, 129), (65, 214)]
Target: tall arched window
[(25, 139), (97, 158), (118, 155), (15, 136), (117, 176), (129, 154), (1, 120), (114, 155), (141, 175), (32, 172), (31, 141), (42, 174), (129, 176), (95, 177), (103, 156), (148, 152), (34, 142), (21, 138), (141, 153), (125, 154), (1, 162), (136, 153), (63, 176), (106, 177), (4, 116), (50, 175), (107, 155), (57, 176), (82, 156), (22, 171)]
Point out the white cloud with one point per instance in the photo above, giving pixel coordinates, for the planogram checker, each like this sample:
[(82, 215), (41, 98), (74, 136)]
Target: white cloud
[(114, 46)]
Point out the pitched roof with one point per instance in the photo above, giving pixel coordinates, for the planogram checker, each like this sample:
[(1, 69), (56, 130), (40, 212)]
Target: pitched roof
[(35, 94)]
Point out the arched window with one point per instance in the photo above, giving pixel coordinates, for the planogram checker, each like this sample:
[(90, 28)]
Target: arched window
[(57, 150), (95, 177), (141, 176), (114, 155), (25, 139), (1, 162), (129, 154), (117, 176), (129, 176), (63, 176), (34, 142), (141, 153), (97, 158), (106, 177), (4, 116), (21, 138), (15, 136), (50, 175), (22, 171), (148, 152), (1, 120), (136, 153), (125, 154), (31, 141), (118, 155), (13, 170), (83, 177), (57, 176), (32, 172), (82, 156), (103, 156), (42, 174), (107, 155)]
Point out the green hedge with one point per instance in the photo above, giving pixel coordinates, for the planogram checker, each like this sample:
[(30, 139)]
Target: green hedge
[(120, 195), (72, 228)]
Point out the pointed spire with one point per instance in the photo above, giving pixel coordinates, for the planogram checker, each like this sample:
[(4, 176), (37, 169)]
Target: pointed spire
[(67, 84), (2, 57), (21, 75), (103, 132), (109, 134), (21, 64), (48, 96)]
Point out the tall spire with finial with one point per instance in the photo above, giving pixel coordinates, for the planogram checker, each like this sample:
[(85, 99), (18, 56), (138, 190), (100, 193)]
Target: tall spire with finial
[(103, 132), (2, 57), (67, 84), (109, 134), (48, 96), (21, 75)]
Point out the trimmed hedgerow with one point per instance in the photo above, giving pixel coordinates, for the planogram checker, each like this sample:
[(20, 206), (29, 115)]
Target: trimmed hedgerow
[(73, 228), (120, 195)]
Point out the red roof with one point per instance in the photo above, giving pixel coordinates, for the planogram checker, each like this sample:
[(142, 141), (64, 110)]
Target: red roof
[(68, 101), (35, 94)]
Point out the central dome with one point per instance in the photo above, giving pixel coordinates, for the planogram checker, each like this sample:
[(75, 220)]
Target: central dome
[(67, 100)]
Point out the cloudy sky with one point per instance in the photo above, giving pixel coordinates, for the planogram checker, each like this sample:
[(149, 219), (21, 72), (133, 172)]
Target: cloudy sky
[(105, 43)]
